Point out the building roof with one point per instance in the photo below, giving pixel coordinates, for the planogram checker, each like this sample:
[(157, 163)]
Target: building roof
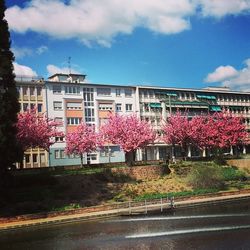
[(63, 74), (207, 90)]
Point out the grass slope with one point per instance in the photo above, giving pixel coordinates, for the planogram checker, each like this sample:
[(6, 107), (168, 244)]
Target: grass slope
[(44, 191)]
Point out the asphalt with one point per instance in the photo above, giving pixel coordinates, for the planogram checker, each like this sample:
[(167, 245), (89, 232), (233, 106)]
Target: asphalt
[(122, 211)]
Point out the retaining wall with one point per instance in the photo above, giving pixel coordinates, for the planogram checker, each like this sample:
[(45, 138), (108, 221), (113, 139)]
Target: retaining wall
[(141, 172)]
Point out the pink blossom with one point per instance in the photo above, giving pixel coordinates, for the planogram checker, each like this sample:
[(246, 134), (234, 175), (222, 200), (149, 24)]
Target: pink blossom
[(35, 130), (129, 132)]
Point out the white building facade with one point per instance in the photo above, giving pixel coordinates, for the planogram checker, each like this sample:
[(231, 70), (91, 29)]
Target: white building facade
[(70, 100)]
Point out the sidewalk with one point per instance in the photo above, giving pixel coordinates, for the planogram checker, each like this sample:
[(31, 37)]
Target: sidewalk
[(120, 211)]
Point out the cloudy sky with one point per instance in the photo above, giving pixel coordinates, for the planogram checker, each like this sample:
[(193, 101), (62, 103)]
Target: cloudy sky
[(178, 43)]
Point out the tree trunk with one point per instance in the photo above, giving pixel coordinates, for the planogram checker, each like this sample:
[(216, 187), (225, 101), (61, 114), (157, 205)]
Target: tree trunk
[(184, 150), (81, 156), (173, 153), (129, 157)]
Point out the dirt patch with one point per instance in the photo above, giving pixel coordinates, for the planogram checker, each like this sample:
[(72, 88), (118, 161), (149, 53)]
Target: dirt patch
[(243, 164)]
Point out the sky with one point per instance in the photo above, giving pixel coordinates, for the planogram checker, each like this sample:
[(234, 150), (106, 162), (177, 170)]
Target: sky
[(171, 43)]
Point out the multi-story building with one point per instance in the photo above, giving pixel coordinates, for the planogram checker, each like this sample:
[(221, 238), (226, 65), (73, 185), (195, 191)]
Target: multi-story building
[(32, 94), (70, 99), (158, 102)]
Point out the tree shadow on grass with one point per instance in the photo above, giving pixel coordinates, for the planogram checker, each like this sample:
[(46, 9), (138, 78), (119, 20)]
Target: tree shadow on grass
[(45, 192)]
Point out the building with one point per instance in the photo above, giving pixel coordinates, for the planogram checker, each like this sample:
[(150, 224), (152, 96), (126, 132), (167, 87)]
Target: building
[(70, 99), (158, 102), (32, 94)]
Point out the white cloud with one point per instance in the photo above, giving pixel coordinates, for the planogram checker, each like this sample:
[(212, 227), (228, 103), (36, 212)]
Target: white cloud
[(221, 73), (100, 21), (229, 76), (91, 21), (220, 8), (22, 70), (52, 69), (40, 50), (21, 52)]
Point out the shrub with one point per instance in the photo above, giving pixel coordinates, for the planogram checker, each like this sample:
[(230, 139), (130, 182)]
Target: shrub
[(166, 169), (206, 177), (219, 160), (233, 174)]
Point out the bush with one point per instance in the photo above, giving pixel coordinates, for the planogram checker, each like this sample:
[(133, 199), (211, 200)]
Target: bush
[(233, 174), (203, 177), (166, 169), (219, 160)]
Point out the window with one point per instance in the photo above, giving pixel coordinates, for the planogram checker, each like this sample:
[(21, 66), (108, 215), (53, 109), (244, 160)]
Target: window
[(104, 91), (27, 158), (59, 139), (128, 92), (118, 107), (89, 115), (39, 107), (72, 90), (34, 158), (42, 158), (151, 94), (74, 105), (93, 157), (118, 92), (57, 154), (25, 106), (57, 89), (57, 105), (88, 97), (39, 91), (59, 120), (62, 154), (128, 107), (25, 91), (108, 151), (32, 91), (74, 120), (146, 94), (32, 106), (105, 106), (146, 107), (88, 90)]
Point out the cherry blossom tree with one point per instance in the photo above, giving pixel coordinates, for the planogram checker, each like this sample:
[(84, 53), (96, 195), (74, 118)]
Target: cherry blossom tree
[(202, 131), (216, 131), (224, 130), (35, 130), (83, 140), (129, 132), (177, 131)]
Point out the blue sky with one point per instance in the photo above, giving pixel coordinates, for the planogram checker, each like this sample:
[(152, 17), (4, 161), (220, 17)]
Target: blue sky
[(177, 43)]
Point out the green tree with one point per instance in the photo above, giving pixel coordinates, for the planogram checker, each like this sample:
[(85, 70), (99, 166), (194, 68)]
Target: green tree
[(9, 106)]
